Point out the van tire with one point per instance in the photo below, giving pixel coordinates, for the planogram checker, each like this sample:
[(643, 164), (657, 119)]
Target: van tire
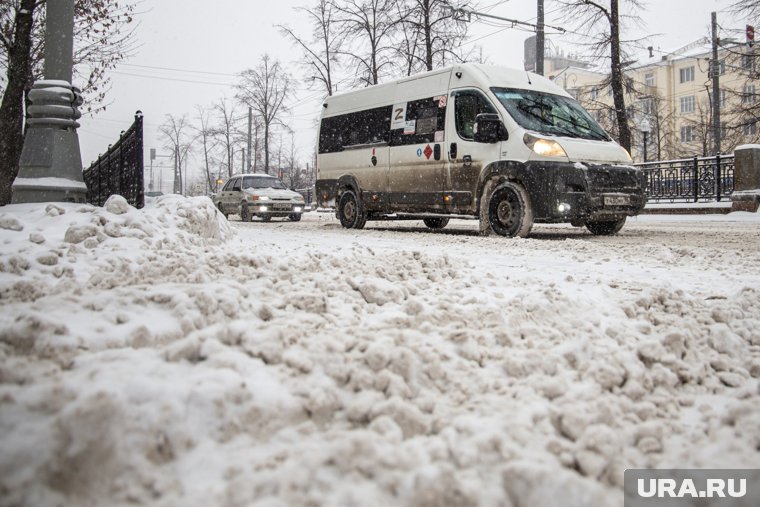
[(221, 210), (605, 228), (509, 210), (436, 222), (295, 217), (350, 211)]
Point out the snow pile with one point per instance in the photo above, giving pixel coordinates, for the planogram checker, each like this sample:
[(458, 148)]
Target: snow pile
[(170, 361)]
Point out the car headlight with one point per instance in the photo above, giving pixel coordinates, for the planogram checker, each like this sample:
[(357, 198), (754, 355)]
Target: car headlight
[(263, 198), (544, 147)]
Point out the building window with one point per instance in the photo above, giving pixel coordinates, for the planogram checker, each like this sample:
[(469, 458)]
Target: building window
[(629, 88), (722, 100), (688, 104), (594, 93), (687, 74), (748, 94), (646, 106), (688, 134), (721, 67), (749, 129), (748, 62), (723, 130), (649, 79)]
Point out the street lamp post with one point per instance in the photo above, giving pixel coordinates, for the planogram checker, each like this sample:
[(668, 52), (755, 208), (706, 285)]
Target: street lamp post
[(645, 128), (50, 168)]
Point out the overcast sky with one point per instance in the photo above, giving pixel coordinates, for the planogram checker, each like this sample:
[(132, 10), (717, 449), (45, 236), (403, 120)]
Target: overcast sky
[(189, 52)]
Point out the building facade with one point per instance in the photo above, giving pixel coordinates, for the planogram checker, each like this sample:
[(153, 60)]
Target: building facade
[(670, 97)]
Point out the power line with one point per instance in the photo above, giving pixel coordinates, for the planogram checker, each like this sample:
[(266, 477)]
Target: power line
[(193, 81), (178, 70)]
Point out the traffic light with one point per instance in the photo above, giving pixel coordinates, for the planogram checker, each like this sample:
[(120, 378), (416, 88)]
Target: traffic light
[(750, 34)]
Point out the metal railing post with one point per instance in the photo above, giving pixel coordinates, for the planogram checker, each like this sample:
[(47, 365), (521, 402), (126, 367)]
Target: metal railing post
[(718, 182), (696, 179)]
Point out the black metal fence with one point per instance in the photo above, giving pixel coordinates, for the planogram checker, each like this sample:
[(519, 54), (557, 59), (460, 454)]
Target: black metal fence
[(119, 170), (690, 180)]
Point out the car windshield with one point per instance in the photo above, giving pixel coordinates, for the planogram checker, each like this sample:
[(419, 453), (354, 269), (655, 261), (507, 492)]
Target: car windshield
[(549, 114), (263, 182)]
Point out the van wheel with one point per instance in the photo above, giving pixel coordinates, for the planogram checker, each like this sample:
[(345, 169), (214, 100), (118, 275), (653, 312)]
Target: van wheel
[(219, 207), (350, 211), (436, 222), (509, 211), (266, 218), (295, 217), (245, 215), (605, 228)]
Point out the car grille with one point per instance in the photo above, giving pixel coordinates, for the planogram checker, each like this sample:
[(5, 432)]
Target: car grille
[(613, 178)]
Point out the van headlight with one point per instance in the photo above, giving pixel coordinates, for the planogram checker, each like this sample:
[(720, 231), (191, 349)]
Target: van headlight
[(544, 147)]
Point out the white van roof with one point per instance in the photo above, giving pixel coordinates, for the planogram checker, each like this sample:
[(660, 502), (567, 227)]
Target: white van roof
[(458, 76)]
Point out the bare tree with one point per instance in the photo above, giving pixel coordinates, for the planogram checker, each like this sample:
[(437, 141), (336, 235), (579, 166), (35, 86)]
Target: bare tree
[(430, 34), (749, 8), (17, 45), (602, 20), (225, 131), (320, 50), (265, 89), (175, 131), (369, 26), (205, 132)]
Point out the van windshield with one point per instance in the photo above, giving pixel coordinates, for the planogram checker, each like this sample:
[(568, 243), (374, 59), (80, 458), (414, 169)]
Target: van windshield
[(262, 182), (549, 114)]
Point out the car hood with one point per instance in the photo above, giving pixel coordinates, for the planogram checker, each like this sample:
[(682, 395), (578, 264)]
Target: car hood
[(585, 150), (273, 193)]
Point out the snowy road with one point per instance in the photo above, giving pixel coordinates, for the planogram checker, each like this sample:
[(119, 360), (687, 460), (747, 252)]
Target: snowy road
[(166, 357)]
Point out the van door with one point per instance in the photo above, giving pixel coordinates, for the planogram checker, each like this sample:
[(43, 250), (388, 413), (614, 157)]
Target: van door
[(466, 158), (417, 172)]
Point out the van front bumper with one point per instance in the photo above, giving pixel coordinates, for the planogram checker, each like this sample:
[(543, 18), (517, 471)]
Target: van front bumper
[(578, 193)]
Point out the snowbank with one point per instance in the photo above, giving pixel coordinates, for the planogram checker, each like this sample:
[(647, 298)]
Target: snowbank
[(155, 357)]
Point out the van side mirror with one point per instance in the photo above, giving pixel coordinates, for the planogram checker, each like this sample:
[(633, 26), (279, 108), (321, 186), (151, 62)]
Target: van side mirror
[(489, 129)]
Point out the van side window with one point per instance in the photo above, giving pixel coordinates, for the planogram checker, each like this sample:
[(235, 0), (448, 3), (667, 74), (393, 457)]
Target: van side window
[(354, 129), (467, 105), (236, 184), (228, 186), (425, 117)]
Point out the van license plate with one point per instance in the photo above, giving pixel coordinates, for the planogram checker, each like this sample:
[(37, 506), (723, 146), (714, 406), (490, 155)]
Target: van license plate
[(617, 200)]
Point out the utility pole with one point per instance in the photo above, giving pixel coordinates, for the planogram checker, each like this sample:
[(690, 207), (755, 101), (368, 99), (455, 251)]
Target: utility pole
[(250, 124), (461, 14), (256, 148), (540, 39), (177, 173), (242, 162), (715, 69)]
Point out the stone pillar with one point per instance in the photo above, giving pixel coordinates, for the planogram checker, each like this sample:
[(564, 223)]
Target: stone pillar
[(50, 168), (746, 196)]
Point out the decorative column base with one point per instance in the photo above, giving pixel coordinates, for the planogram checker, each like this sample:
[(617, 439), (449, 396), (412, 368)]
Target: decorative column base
[(50, 169), (747, 200), (746, 196)]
